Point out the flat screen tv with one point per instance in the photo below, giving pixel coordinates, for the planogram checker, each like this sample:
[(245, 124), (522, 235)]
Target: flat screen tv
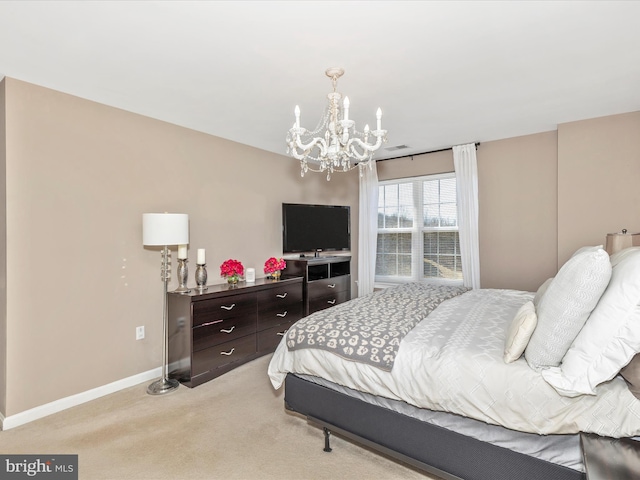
[(315, 228)]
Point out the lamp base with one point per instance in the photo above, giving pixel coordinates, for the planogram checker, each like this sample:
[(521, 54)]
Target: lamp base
[(162, 386)]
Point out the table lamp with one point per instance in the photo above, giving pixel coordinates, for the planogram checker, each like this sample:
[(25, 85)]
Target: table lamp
[(619, 241)]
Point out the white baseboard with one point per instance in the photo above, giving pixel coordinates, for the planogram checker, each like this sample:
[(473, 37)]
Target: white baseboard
[(27, 416)]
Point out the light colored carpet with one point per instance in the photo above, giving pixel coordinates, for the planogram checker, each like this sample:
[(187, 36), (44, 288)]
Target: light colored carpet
[(233, 427)]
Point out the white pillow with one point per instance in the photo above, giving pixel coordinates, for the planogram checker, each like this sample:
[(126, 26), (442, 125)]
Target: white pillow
[(587, 249), (611, 336), (565, 306), (519, 333), (541, 290)]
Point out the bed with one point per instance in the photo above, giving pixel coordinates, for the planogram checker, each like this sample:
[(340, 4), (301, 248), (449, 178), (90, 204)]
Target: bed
[(476, 384)]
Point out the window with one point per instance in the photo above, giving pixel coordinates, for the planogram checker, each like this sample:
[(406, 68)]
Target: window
[(418, 230)]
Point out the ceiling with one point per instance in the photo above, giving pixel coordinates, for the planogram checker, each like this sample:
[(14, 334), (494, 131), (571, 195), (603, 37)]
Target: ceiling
[(444, 73)]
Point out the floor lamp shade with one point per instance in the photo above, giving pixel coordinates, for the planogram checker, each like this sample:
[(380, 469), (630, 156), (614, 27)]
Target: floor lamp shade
[(165, 229)]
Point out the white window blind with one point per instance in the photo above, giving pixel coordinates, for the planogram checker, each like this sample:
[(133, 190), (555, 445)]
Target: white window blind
[(418, 230)]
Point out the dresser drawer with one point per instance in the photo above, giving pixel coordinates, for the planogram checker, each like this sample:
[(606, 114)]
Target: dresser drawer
[(273, 317), (321, 303), (269, 339), (220, 331), (319, 288), (208, 311), (223, 354), (288, 294)]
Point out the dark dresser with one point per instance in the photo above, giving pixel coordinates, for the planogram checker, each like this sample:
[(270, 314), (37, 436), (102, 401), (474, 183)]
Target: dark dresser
[(214, 331)]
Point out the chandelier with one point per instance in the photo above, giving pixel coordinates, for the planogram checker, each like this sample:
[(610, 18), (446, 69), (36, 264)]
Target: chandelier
[(335, 144)]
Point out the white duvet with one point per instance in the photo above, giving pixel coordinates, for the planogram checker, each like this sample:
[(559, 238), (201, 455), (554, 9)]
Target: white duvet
[(452, 361)]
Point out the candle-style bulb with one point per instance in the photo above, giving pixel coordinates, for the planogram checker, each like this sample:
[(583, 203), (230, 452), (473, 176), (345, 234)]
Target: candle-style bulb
[(346, 108), (379, 117), (297, 113)]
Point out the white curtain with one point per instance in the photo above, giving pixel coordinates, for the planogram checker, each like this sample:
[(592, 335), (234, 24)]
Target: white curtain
[(368, 229), (466, 166)]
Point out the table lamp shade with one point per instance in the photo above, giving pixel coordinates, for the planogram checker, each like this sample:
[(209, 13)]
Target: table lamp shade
[(620, 241), (165, 228)]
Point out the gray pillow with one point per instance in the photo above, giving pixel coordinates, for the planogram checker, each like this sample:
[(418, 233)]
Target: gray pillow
[(631, 374), (565, 306)]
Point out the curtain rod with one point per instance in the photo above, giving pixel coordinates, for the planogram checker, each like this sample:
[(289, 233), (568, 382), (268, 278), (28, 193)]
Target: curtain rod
[(477, 144)]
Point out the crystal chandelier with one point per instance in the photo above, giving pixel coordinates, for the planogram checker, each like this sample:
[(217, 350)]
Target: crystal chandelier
[(335, 144)]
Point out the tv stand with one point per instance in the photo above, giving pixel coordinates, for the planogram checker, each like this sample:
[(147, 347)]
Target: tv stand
[(315, 255), (326, 280)]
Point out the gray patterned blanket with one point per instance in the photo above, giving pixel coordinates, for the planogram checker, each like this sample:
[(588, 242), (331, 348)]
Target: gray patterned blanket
[(369, 329)]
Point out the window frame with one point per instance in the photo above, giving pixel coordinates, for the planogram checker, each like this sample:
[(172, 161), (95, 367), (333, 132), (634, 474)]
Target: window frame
[(417, 234)]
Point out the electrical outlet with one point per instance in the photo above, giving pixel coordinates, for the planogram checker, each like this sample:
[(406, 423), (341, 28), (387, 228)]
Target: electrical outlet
[(139, 333)]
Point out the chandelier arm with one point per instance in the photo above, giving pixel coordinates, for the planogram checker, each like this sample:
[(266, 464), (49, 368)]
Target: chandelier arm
[(353, 151), (304, 155), (367, 149), (317, 142), (296, 155)]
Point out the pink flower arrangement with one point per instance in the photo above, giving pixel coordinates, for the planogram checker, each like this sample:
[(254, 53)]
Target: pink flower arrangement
[(231, 269), (274, 264)]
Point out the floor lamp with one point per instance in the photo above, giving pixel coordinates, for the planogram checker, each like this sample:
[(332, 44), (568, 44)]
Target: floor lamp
[(164, 229)]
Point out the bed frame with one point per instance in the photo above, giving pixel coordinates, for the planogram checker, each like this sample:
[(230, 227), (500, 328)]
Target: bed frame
[(434, 449)]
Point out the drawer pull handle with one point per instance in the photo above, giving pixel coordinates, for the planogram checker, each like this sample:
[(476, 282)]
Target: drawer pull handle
[(282, 334), (332, 285), (210, 323), (228, 308), (284, 295), (331, 302), (229, 352), (227, 331), (282, 314)]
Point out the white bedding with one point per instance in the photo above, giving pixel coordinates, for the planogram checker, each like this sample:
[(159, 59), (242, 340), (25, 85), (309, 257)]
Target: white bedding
[(452, 361)]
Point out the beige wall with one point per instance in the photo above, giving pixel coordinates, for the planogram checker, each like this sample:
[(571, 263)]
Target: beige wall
[(79, 175), (3, 255), (598, 180), (517, 196)]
